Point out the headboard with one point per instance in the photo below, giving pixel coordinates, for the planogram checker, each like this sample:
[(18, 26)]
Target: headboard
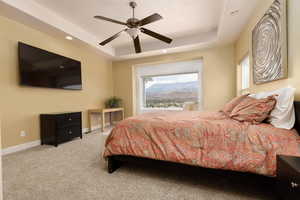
[(297, 113)]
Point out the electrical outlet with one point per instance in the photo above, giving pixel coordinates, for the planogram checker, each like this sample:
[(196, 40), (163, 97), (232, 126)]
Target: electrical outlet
[(23, 134)]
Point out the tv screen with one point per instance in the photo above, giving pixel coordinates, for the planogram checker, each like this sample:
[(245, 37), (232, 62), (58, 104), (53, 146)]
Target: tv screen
[(40, 68)]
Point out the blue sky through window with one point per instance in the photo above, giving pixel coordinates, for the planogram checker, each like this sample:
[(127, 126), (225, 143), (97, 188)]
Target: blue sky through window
[(177, 78)]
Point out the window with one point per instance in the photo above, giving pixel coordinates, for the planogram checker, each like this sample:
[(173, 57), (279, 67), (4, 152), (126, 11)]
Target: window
[(168, 86), (170, 91), (245, 69)]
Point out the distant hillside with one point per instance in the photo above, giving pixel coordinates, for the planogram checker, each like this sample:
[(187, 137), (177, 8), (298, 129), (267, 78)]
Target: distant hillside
[(178, 92)]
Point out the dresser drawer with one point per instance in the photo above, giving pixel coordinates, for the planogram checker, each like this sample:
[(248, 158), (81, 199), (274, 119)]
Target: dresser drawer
[(65, 120), (68, 133)]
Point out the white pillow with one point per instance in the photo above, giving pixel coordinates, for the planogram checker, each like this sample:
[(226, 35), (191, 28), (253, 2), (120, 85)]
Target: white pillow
[(283, 115)]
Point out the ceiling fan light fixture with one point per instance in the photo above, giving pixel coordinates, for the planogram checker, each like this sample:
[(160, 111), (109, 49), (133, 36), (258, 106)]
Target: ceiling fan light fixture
[(133, 32)]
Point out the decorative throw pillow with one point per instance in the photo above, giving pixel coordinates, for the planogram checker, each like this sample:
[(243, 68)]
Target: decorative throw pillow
[(228, 108), (283, 115), (253, 110)]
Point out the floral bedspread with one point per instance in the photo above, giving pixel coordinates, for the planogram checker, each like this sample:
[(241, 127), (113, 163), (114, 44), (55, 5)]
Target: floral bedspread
[(204, 139)]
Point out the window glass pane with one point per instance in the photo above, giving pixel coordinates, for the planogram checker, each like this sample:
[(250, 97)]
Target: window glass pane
[(245, 65), (169, 91)]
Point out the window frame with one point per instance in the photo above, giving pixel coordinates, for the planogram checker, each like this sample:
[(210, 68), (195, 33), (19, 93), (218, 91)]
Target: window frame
[(143, 90), (195, 64), (241, 66)]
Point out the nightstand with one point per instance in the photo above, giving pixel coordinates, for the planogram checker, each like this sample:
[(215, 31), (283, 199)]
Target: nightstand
[(288, 177)]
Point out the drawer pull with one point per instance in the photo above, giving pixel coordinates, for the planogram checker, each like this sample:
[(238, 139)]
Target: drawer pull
[(70, 132), (294, 185), (70, 119)]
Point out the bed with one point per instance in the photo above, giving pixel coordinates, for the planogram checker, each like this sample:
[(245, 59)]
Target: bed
[(200, 139)]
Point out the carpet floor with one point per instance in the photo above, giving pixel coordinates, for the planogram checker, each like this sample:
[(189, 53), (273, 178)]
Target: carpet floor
[(74, 171)]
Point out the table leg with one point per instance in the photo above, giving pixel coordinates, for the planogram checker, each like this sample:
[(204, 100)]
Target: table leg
[(110, 119), (90, 121), (103, 121)]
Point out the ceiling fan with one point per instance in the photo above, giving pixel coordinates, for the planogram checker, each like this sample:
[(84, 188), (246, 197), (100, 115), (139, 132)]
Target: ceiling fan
[(135, 27)]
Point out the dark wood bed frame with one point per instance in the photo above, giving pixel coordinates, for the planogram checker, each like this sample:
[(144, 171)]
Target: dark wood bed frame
[(114, 162)]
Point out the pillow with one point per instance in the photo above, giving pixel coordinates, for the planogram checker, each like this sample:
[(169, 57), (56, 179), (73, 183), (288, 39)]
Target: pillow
[(253, 110), (227, 109), (283, 115)]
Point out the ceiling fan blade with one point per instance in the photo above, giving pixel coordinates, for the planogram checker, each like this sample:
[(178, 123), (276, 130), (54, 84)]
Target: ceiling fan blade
[(111, 38), (152, 18), (156, 35), (137, 44), (110, 20)]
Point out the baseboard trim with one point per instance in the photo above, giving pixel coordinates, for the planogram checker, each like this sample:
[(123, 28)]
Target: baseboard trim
[(28, 145), (85, 130), (20, 147), (94, 128)]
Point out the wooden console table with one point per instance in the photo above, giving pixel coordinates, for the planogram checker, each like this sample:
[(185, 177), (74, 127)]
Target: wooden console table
[(103, 112)]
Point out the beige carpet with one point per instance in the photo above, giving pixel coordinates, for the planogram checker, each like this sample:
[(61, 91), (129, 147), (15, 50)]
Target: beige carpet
[(73, 171)]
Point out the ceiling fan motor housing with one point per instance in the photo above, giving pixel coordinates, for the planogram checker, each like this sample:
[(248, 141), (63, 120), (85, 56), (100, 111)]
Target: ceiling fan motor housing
[(133, 23)]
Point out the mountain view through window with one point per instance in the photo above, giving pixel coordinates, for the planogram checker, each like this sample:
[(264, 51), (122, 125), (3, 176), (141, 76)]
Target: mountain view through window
[(169, 91)]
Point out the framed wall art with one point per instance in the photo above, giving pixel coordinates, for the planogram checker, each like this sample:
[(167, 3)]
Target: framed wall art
[(269, 45)]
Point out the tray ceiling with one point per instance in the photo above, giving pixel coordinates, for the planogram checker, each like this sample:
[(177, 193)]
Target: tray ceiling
[(191, 23)]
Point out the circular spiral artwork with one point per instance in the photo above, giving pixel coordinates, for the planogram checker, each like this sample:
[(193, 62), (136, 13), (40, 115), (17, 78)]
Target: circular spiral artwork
[(267, 46)]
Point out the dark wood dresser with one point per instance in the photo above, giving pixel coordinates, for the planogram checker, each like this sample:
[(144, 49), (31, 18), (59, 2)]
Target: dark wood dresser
[(60, 127), (288, 177)]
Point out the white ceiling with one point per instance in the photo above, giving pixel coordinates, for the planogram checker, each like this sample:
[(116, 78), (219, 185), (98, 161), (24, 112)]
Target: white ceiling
[(181, 17), (191, 23)]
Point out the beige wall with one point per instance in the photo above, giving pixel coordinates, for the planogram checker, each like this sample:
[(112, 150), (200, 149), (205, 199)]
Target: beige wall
[(1, 184), (218, 76), (21, 106), (243, 46)]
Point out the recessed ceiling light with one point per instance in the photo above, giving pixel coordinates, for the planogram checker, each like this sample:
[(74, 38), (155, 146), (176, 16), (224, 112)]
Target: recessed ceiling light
[(69, 37), (234, 12)]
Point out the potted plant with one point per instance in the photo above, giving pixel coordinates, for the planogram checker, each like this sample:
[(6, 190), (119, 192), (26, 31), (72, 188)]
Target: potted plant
[(113, 102)]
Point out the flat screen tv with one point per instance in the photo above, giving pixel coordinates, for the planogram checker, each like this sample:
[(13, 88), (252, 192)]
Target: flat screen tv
[(40, 68)]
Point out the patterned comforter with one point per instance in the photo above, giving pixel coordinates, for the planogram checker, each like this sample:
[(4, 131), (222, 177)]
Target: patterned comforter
[(209, 140)]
